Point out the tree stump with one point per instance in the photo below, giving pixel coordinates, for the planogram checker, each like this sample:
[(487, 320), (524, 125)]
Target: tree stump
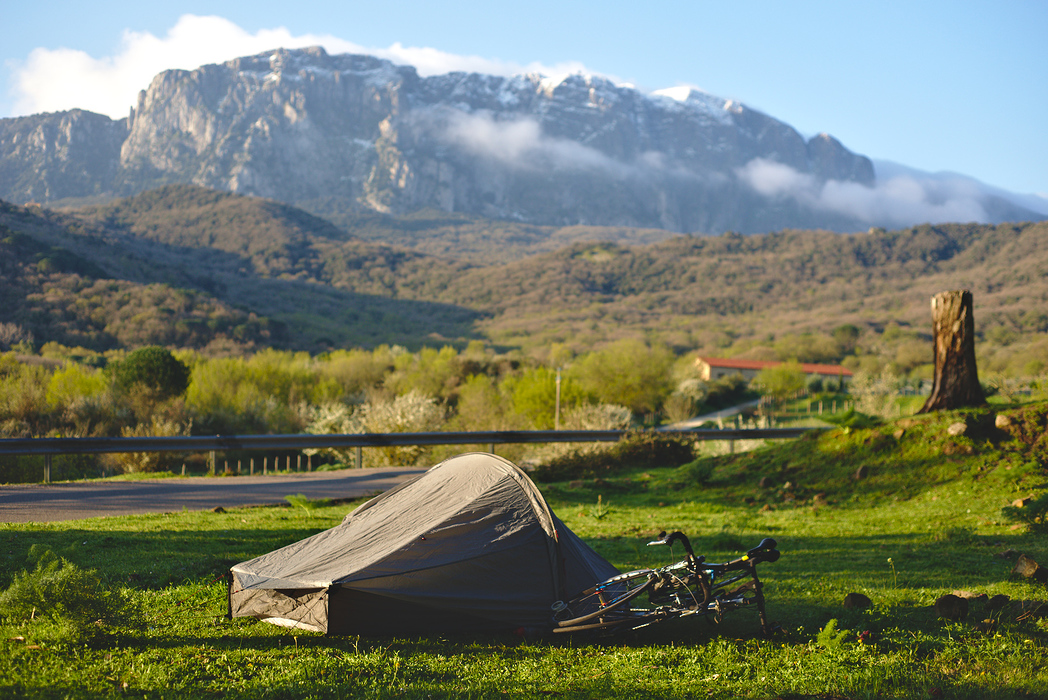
[(956, 382)]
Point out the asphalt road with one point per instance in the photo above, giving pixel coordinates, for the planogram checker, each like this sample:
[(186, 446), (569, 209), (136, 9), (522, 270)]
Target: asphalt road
[(77, 500)]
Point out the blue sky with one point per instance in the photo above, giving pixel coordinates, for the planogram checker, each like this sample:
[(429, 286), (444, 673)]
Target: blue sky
[(939, 86)]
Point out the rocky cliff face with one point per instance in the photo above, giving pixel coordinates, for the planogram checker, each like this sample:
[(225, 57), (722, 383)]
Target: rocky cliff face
[(59, 155), (358, 132)]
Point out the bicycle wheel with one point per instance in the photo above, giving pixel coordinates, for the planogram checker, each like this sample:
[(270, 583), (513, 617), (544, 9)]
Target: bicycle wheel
[(606, 598)]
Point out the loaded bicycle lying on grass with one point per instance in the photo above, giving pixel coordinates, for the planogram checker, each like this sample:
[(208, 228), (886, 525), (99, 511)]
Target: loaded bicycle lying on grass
[(689, 587)]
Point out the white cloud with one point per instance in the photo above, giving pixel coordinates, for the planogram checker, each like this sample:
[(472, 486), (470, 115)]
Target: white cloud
[(52, 80), (901, 200), (522, 143)]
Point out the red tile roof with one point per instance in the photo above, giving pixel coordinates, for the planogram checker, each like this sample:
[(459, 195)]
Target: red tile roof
[(807, 368)]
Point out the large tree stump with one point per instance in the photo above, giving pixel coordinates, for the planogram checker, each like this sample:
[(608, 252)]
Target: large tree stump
[(956, 382)]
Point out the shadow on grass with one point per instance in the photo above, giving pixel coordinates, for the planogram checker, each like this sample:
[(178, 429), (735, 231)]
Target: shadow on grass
[(152, 559)]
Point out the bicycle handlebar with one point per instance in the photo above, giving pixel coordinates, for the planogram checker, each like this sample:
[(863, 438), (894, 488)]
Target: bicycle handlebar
[(747, 560), (764, 552)]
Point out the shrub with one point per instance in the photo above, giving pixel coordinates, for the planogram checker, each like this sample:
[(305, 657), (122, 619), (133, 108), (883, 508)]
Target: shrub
[(74, 600), (637, 451), (155, 368), (411, 413), (726, 392), (876, 395), (157, 426)]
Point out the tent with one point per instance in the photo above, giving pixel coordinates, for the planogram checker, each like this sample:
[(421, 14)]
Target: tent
[(469, 545)]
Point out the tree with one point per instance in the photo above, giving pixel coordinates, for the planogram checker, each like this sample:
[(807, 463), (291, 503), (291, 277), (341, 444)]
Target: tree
[(782, 381), (629, 372), (154, 368), (956, 381)]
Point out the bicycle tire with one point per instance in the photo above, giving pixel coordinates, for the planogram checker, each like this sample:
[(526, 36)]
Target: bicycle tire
[(606, 607)]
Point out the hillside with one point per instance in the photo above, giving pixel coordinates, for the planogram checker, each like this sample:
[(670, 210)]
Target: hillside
[(709, 291), (317, 285)]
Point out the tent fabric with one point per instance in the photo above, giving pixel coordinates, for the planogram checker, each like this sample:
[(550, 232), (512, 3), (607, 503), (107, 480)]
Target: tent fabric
[(468, 545)]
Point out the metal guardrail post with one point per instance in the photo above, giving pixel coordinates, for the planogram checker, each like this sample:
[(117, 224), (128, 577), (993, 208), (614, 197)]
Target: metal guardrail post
[(360, 457), (47, 469)]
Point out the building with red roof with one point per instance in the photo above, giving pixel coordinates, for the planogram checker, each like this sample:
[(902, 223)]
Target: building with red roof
[(714, 368)]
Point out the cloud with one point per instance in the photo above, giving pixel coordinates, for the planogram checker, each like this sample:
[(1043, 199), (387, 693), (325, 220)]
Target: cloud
[(901, 200), (52, 80), (521, 143)]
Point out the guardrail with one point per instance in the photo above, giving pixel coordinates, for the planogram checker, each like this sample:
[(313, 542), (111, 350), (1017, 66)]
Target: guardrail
[(214, 443)]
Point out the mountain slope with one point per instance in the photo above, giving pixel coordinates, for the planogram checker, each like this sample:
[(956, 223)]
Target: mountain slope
[(312, 286)]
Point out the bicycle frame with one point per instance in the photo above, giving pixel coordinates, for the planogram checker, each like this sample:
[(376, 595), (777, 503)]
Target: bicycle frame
[(687, 588)]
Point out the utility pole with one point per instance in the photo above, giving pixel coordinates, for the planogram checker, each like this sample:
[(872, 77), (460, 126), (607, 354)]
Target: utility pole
[(556, 413)]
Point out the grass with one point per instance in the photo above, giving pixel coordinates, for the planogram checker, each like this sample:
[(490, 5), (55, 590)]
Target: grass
[(924, 521)]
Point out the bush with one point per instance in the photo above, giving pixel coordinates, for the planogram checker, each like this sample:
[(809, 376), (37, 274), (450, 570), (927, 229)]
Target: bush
[(727, 392), (637, 451), (155, 368), (139, 462), (73, 600)]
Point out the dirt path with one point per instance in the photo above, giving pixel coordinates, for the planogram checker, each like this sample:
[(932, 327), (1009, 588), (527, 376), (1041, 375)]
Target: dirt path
[(73, 501)]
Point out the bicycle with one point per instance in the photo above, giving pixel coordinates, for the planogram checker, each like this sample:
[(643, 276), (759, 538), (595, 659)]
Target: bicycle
[(689, 587)]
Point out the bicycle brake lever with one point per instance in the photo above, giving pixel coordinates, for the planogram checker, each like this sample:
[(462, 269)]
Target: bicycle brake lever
[(661, 539)]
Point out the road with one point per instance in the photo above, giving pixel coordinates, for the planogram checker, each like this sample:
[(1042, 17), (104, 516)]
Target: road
[(77, 500)]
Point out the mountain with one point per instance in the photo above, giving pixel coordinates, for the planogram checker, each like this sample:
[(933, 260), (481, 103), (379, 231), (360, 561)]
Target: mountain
[(349, 134)]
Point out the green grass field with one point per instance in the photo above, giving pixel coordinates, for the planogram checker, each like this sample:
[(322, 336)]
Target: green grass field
[(925, 520)]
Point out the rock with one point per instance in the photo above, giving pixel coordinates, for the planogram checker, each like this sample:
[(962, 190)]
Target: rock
[(1022, 502), (861, 473), (1002, 421), (857, 601), (899, 433), (997, 602), (972, 596), (1028, 609), (1028, 568), (950, 607), (956, 429), (218, 509)]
